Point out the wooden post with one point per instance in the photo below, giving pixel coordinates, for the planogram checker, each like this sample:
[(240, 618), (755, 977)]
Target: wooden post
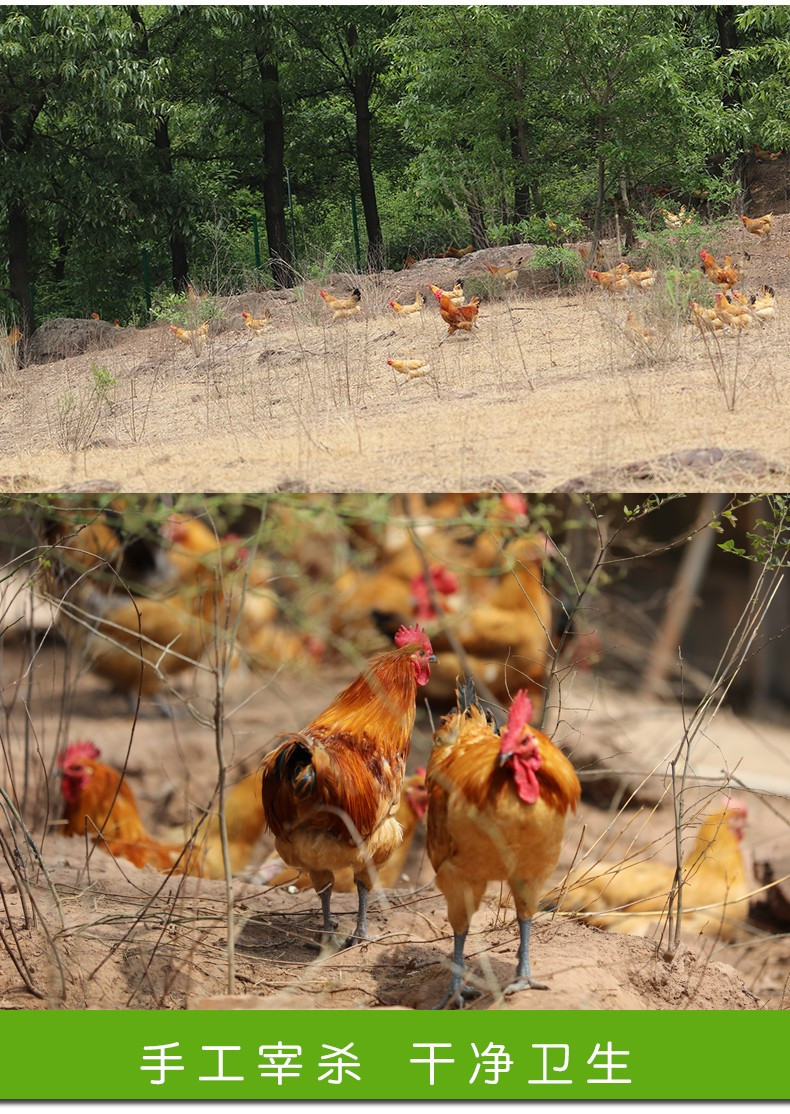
[(680, 601), (146, 281)]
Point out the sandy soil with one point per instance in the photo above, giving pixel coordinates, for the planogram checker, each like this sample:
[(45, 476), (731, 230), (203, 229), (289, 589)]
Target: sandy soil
[(314, 406), (136, 939)]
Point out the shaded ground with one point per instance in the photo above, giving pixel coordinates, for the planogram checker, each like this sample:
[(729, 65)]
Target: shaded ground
[(133, 938), (304, 403)]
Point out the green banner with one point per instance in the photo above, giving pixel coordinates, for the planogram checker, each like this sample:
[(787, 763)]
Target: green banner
[(473, 1054)]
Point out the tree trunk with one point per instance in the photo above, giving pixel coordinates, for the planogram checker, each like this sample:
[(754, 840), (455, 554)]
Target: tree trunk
[(178, 247), (601, 190), (477, 223), (19, 264), (631, 239), (518, 147), (59, 265), (367, 186), (274, 193)]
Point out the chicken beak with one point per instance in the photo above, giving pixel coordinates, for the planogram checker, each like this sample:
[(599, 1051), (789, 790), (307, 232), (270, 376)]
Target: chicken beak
[(433, 660), (504, 757)]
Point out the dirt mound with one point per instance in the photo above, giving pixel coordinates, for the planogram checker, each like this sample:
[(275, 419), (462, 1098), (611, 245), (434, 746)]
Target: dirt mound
[(696, 469), (70, 336), (134, 939)]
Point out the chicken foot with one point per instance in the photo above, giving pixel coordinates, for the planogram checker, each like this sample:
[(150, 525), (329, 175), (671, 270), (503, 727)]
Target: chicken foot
[(329, 939), (524, 979), (458, 992)]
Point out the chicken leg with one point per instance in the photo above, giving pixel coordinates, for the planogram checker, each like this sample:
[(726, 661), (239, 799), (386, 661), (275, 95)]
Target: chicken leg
[(523, 979)]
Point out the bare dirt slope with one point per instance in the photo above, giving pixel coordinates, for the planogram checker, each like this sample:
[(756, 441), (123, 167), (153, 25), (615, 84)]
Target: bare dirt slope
[(547, 393), (131, 938)]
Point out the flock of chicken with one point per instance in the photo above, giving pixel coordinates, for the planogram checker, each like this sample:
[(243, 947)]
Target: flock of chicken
[(335, 795), (732, 311)]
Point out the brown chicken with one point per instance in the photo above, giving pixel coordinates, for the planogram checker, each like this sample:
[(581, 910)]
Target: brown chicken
[(766, 156), (641, 336), (724, 277), (456, 253), (193, 337), (411, 308), (508, 273), (507, 634), (13, 337), (411, 810), (330, 793), (343, 307), (758, 226), (642, 280), (732, 313), (412, 369), (706, 320), (715, 884), (613, 282), (762, 304), (140, 644), (461, 318), (496, 812), (256, 325), (99, 803)]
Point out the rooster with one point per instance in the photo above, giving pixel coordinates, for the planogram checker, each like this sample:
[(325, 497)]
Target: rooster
[(461, 318), (496, 811), (412, 809), (330, 793), (724, 277)]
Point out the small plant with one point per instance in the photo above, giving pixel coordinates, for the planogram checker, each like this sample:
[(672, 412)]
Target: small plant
[(77, 414), (103, 382), (567, 266)]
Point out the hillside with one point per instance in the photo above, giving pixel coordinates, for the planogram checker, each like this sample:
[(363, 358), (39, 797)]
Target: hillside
[(547, 393)]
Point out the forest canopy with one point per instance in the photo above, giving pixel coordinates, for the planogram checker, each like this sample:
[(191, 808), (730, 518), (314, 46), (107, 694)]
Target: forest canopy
[(169, 138)]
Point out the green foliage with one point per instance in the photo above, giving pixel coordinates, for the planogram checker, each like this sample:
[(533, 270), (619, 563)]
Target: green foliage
[(178, 309), (480, 111), (679, 249), (769, 542), (566, 265)]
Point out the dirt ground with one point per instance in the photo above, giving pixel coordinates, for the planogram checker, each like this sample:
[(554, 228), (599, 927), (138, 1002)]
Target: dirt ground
[(125, 938), (310, 405)]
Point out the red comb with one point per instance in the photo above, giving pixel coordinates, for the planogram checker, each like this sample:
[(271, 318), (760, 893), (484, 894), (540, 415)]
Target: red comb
[(519, 716), (75, 752), (405, 636), (420, 772), (514, 503), (444, 580)]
